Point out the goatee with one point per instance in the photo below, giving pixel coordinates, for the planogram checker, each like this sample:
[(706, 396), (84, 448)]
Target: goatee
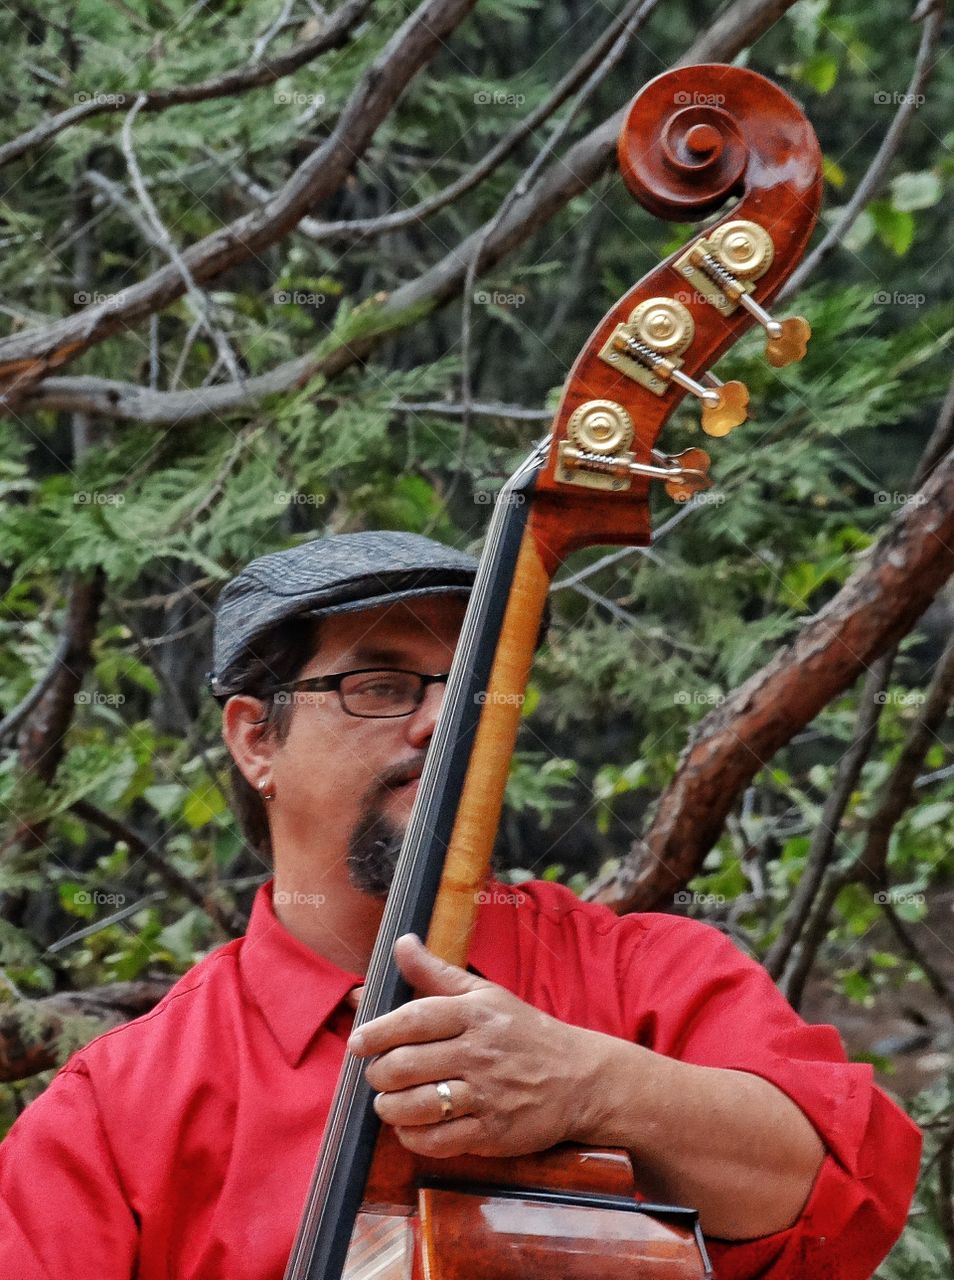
[(373, 852)]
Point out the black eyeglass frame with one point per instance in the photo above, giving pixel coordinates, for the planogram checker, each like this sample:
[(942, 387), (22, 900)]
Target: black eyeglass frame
[(332, 684)]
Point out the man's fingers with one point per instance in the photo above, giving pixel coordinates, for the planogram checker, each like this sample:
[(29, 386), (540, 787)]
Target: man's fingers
[(410, 1065), (430, 976), (418, 1022), (449, 1138), (423, 1105)]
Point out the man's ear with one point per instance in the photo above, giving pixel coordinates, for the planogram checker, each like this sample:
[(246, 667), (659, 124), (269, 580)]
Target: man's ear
[(247, 738)]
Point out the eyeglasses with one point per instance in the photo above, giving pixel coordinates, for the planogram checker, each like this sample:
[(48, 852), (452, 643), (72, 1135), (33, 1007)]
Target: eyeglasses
[(372, 693)]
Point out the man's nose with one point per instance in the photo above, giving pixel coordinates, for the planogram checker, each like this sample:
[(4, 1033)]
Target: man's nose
[(420, 724)]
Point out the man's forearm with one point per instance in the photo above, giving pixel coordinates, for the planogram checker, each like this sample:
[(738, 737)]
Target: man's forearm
[(725, 1142)]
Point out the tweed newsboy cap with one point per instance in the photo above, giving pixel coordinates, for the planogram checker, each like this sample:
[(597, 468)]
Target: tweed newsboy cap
[(337, 574)]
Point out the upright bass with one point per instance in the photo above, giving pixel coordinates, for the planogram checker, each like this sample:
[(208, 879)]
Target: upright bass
[(696, 141)]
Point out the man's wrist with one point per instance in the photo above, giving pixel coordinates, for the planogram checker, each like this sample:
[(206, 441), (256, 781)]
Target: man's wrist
[(615, 1088)]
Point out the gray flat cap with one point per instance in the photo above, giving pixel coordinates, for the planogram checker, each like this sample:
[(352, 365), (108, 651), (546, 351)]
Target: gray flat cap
[(344, 572)]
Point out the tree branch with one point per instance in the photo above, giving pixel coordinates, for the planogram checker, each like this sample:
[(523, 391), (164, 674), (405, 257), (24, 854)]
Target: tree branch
[(360, 229), (822, 850), (253, 75), (30, 1030), (42, 740), (25, 358), (585, 161), (895, 581), (870, 184), (231, 923)]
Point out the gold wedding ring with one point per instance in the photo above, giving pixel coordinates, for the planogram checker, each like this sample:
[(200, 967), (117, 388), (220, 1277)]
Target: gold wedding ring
[(447, 1102)]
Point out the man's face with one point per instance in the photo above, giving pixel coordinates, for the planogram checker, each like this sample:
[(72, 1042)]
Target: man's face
[(344, 786)]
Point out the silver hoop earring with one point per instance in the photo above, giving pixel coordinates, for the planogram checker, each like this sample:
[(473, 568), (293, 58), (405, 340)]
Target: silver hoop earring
[(265, 790)]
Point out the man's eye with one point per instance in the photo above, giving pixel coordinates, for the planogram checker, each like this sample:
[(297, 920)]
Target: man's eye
[(381, 687)]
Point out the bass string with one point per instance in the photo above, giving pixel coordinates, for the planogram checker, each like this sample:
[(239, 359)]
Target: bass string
[(407, 872)]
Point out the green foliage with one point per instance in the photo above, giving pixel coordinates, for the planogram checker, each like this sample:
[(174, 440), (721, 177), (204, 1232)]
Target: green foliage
[(165, 515)]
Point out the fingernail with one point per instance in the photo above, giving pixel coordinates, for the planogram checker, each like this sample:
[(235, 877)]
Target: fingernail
[(356, 1042)]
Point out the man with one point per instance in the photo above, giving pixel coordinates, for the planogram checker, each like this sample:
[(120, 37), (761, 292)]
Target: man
[(182, 1144)]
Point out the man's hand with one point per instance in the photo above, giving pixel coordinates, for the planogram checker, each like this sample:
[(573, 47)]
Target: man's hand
[(519, 1079)]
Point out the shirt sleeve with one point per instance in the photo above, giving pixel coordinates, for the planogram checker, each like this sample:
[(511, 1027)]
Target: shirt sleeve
[(717, 1007), (63, 1214)]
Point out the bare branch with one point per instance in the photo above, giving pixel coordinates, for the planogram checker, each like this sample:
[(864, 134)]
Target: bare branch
[(896, 793), (160, 235), (822, 850)]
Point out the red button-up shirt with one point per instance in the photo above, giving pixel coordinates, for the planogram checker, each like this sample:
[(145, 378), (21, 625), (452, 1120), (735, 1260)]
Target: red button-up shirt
[(180, 1146)]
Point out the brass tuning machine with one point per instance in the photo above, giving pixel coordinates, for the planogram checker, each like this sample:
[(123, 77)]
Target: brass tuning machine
[(596, 455), (648, 348), (724, 265)]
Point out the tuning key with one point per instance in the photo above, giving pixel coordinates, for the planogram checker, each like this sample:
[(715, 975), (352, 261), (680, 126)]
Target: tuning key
[(690, 473), (731, 409), (787, 339), (723, 406), (725, 264)]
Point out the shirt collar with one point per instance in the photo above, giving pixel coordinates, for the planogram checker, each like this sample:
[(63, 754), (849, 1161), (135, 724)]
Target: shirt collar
[(295, 988)]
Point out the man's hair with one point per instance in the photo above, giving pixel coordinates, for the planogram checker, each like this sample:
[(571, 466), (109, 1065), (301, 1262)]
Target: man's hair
[(273, 659)]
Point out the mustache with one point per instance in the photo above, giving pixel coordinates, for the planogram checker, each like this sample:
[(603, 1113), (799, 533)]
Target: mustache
[(406, 771)]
